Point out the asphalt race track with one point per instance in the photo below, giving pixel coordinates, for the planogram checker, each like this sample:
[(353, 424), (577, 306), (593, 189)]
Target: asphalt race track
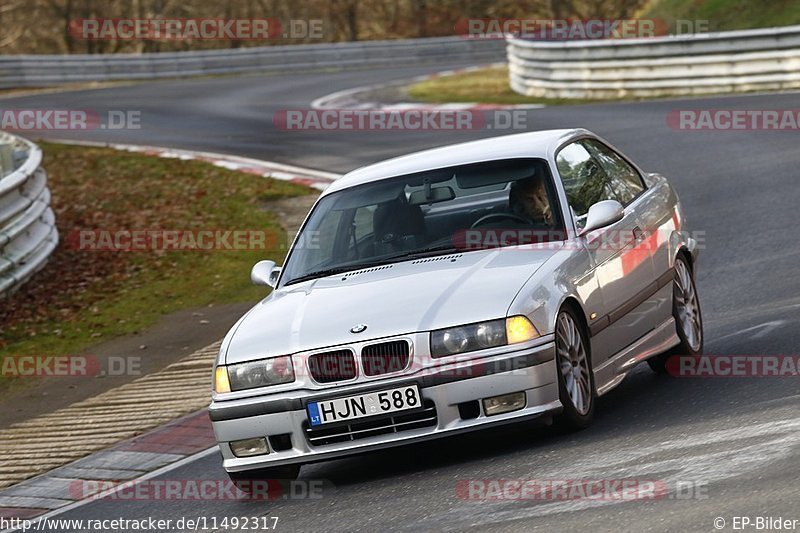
[(737, 439)]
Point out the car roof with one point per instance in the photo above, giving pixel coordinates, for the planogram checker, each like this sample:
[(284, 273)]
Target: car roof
[(532, 144)]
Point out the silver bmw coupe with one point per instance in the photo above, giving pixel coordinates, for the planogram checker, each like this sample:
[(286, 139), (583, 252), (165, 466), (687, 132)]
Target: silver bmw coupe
[(455, 289)]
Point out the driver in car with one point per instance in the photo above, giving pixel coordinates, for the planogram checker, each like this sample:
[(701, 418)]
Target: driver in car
[(528, 199)]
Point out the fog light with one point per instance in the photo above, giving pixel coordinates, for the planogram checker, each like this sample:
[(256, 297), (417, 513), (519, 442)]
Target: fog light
[(249, 447), (504, 404)]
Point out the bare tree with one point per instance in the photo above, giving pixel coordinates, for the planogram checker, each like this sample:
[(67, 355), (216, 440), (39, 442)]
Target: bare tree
[(43, 26)]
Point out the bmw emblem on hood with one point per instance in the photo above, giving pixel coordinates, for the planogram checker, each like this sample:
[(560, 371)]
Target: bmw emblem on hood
[(358, 328)]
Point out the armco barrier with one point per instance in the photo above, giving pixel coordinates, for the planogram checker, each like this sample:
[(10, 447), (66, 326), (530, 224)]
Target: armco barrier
[(40, 71), (28, 232), (746, 60)]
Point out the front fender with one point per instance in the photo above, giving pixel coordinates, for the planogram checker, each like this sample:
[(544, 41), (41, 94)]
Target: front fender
[(567, 274)]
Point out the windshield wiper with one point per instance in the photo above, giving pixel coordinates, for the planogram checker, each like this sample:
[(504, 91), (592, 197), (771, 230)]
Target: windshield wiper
[(325, 272), (322, 273), (423, 252)]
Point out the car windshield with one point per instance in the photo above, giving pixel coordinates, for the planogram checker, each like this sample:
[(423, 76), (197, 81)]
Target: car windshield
[(462, 208)]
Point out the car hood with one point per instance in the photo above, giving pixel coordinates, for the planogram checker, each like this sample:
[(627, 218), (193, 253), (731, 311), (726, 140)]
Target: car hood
[(393, 299)]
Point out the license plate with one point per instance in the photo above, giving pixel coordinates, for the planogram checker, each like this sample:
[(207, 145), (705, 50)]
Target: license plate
[(364, 405)]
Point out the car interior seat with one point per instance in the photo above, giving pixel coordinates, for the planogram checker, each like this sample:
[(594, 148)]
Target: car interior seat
[(398, 226)]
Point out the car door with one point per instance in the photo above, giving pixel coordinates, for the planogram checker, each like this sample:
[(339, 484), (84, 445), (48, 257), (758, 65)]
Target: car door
[(624, 271), (654, 210)]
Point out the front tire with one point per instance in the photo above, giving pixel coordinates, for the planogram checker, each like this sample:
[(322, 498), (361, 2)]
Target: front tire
[(688, 319), (575, 376)]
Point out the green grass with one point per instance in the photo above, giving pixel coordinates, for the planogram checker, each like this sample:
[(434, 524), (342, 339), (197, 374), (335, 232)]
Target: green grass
[(85, 297), (486, 86), (726, 14)]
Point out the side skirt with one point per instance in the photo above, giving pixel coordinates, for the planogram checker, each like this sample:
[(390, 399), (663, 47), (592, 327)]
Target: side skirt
[(613, 371)]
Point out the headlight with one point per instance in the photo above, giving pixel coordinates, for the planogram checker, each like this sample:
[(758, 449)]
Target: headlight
[(490, 334), (262, 373), (454, 340), (482, 335)]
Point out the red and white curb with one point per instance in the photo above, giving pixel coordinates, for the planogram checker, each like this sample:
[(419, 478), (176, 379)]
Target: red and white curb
[(317, 179), (130, 461), (348, 98)]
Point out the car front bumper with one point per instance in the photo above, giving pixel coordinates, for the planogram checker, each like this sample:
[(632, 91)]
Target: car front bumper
[(530, 370)]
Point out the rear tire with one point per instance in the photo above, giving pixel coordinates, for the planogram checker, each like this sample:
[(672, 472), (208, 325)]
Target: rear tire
[(575, 376), (688, 319), (274, 477)]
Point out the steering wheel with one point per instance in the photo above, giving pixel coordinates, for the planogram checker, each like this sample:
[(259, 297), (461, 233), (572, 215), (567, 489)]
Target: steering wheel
[(492, 216)]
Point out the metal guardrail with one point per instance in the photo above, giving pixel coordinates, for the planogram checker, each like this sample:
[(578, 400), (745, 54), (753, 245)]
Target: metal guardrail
[(28, 232), (745, 60), (41, 71)]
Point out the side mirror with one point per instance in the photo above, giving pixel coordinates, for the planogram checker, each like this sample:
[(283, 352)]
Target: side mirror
[(602, 214), (265, 273)]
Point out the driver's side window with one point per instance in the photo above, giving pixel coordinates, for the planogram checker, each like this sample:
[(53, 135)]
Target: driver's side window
[(585, 181)]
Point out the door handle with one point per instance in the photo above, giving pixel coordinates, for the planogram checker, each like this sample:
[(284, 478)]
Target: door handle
[(637, 233)]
